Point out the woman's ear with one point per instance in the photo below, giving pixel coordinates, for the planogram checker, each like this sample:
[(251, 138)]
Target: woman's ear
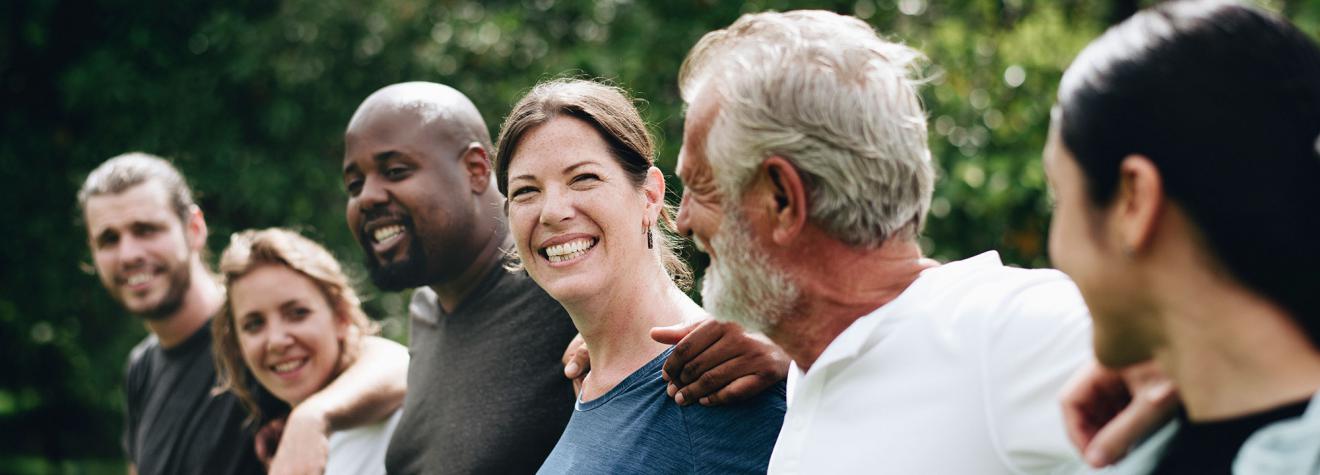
[(342, 319), (654, 191), (1139, 203)]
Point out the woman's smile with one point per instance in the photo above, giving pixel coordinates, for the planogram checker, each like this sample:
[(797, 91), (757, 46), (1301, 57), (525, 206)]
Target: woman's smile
[(569, 252)]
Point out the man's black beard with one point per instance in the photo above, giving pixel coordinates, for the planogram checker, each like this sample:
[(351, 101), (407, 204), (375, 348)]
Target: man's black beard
[(406, 274), (180, 281)]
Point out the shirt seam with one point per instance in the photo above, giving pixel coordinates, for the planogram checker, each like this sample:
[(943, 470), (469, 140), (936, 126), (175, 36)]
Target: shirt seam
[(687, 432), (986, 391)]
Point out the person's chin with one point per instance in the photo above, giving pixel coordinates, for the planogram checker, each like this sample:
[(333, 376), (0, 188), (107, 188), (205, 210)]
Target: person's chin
[(146, 306), (572, 288), (401, 274)]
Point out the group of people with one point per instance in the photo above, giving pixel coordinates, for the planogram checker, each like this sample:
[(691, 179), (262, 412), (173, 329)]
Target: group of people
[(551, 330)]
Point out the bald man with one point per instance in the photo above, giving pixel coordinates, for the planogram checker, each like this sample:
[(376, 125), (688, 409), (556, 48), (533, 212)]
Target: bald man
[(487, 392)]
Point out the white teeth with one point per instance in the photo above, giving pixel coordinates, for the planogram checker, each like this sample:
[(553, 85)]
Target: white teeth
[(569, 256), (136, 279), (387, 232), (569, 250), (288, 366)]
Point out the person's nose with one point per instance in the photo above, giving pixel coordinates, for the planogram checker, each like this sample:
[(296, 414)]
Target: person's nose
[(683, 222), (132, 251), (278, 338), (373, 193), (557, 206)]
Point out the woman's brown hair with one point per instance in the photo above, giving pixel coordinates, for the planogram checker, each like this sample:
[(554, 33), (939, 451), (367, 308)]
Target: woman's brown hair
[(610, 111)]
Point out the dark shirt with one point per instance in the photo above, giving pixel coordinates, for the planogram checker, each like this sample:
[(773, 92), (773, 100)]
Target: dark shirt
[(1207, 448), (174, 424), (635, 428), (486, 388)]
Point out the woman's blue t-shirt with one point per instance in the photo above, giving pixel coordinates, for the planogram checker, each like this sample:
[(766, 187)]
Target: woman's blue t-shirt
[(636, 428)]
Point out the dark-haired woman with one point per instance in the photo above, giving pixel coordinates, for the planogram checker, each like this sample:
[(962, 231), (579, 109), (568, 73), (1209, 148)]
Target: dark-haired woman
[(587, 213), (1183, 155)]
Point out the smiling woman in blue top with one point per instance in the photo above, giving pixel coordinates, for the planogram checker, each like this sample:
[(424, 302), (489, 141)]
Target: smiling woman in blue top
[(588, 216)]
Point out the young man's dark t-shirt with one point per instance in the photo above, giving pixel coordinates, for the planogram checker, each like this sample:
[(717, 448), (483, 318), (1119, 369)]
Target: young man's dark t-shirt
[(174, 423), (1209, 448), (486, 391)]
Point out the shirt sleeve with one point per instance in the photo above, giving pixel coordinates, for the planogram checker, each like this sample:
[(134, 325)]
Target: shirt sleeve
[(131, 397), (1033, 347), (735, 438)]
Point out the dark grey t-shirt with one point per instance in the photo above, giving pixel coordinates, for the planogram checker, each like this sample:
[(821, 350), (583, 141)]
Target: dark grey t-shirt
[(486, 391), (173, 424)]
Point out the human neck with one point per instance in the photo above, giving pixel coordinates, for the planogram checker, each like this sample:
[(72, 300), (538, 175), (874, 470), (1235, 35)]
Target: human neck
[(201, 302), (828, 304), (489, 258), (616, 324), (1231, 352)]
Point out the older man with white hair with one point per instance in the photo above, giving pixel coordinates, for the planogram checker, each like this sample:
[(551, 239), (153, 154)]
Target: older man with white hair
[(807, 179)]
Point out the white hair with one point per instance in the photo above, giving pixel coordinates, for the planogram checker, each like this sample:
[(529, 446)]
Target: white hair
[(823, 91)]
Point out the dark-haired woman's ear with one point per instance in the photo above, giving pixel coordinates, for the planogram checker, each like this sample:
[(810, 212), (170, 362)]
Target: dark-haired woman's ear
[(654, 189), (1139, 204)]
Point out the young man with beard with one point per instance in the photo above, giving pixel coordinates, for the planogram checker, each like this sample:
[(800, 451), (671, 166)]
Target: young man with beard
[(148, 239), (810, 209), (486, 393)]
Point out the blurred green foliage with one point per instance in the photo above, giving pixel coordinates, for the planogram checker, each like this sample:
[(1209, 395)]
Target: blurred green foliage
[(250, 98)]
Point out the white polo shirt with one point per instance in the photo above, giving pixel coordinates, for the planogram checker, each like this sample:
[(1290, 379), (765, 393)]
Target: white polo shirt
[(958, 375)]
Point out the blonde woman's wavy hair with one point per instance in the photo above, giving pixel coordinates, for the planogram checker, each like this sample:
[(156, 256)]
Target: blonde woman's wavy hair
[(251, 249)]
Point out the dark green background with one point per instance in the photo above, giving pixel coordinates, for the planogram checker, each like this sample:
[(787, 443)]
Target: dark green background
[(249, 98)]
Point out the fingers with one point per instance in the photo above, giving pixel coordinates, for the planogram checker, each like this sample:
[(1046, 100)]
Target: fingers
[(1153, 400), (708, 383), (672, 334), (577, 385), (1148, 410), (1092, 397), (1108, 411), (267, 440), (740, 389), (733, 381), (580, 363), (694, 345), (577, 359)]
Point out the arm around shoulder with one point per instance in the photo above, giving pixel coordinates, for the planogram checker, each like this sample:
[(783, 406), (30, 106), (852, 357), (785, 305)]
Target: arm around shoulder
[(369, 391)]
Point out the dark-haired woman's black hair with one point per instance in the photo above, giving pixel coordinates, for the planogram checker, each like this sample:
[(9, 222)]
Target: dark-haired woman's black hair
[(1225, 100)]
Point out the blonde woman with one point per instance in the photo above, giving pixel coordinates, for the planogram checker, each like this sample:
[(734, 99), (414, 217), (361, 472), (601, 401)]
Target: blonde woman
[(294, 323)]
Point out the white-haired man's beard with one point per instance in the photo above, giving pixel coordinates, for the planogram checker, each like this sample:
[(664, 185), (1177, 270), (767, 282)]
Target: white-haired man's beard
[(741, 285)]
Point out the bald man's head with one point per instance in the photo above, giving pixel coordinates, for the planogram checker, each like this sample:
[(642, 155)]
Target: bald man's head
[(417, 173), (438, 108)]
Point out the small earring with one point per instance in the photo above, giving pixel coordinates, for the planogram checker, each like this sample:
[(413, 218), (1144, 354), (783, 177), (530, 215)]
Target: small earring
[(649, 244)]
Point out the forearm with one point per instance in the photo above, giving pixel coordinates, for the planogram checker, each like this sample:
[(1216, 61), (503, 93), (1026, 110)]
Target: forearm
[(368, 391)]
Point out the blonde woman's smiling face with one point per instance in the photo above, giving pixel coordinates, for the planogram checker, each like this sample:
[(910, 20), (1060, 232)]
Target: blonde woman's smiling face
[(290, 337)]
